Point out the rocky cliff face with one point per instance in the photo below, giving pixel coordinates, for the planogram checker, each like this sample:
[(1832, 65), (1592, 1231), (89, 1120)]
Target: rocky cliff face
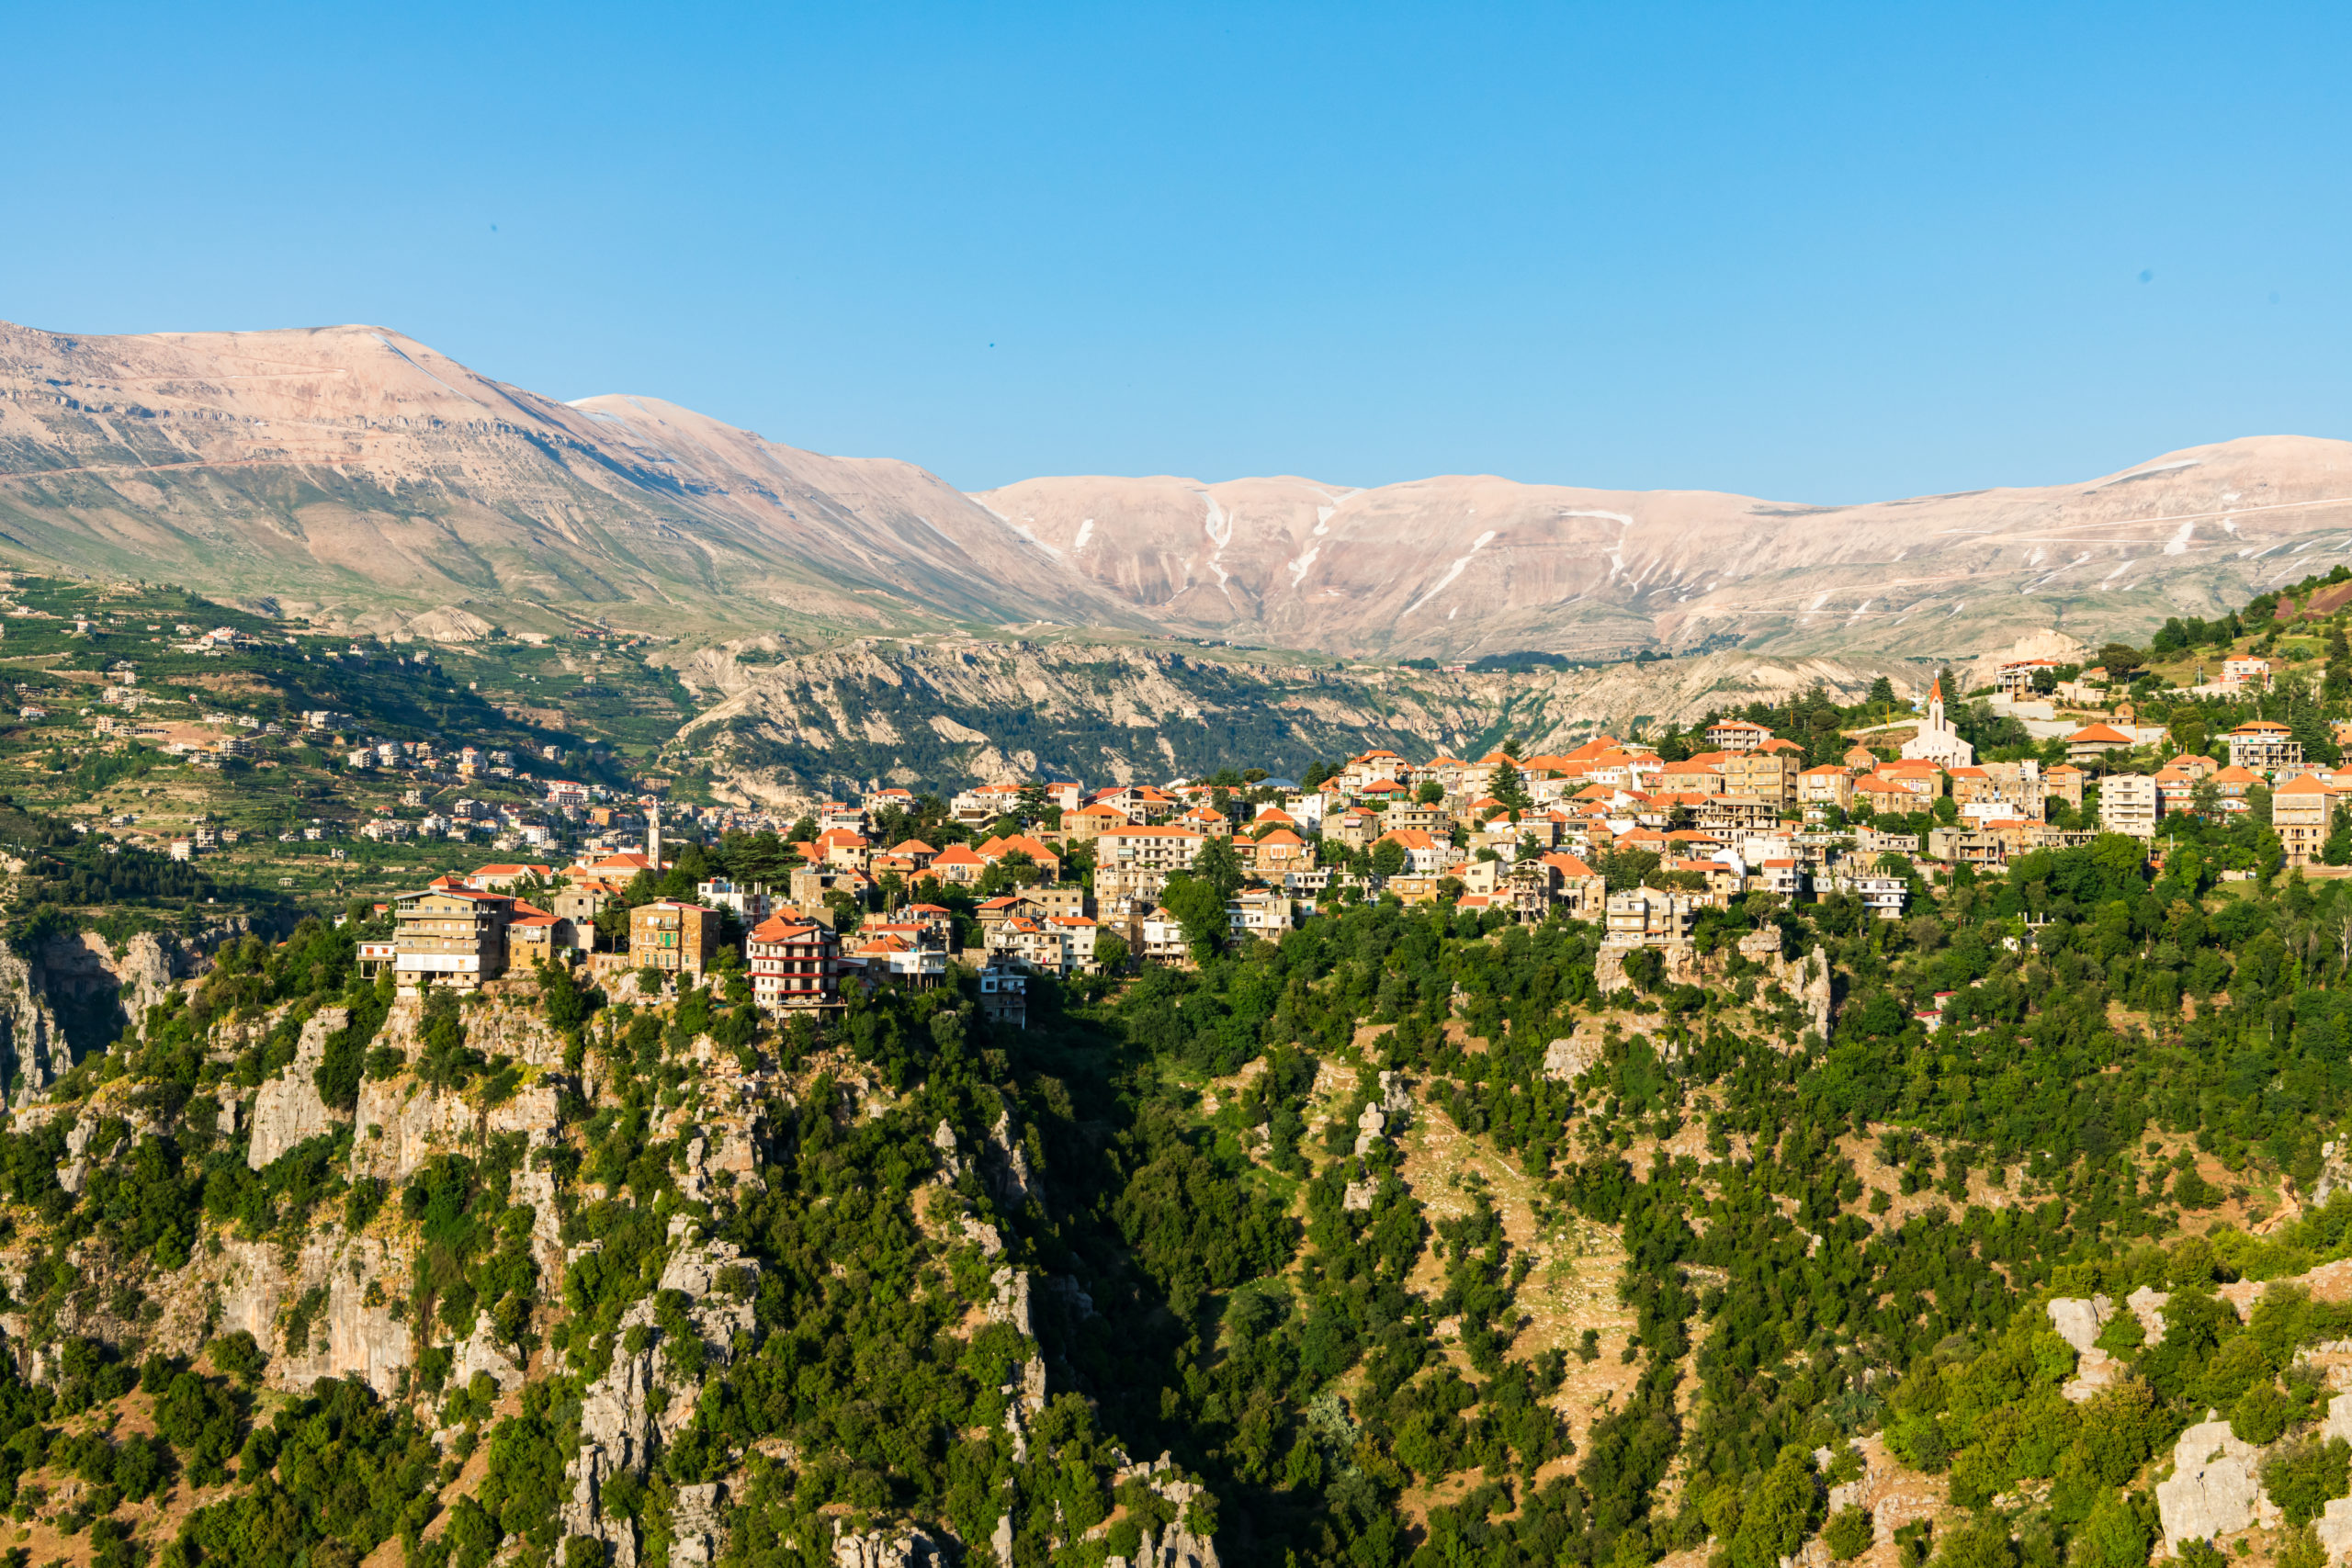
[(647, 1393), (287, 1109), (917, 713), (73, 994), (1803, 980)]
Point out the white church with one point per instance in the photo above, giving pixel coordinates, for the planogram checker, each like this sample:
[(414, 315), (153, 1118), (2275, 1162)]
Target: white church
[(1938, 741)]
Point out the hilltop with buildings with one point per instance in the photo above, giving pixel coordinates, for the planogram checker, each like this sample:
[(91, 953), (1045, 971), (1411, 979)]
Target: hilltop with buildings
[(429, 1091)]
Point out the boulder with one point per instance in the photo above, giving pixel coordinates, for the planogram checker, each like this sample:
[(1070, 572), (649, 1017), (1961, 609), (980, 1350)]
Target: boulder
[(2333, 1527), (2148, 1306), (2214, 1489), (2078, 1321)]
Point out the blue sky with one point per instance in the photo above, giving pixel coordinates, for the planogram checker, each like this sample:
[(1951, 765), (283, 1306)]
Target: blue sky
[(1821, 252)]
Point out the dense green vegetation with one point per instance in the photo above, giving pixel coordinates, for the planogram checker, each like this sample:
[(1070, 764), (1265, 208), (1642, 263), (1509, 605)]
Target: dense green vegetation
[(1350, 1344)]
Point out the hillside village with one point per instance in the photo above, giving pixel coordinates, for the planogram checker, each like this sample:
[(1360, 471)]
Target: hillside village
[(1048, 877), (1620, 1152)]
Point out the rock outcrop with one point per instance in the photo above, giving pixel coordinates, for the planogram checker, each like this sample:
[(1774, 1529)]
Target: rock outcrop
[(483, 1352), (1806, 979), (1178, 1546), (1569, 1059), (259, 1290), (903, 1547), (33, 1051), (2148, 1306), (286, 1108), (2214, 1489), (2333, 1527), (2078, 1323), (698, 1524), (617, 1421)]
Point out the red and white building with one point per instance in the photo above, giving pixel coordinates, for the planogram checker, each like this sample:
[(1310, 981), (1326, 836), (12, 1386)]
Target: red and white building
[(793, 965)]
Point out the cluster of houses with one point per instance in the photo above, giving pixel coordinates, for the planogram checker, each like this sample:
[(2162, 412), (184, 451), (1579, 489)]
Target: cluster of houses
[(1520, 835), (2305, 796)]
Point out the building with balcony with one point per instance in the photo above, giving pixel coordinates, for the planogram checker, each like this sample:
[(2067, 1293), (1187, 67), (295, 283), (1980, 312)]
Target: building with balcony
[(2130, 803), (2264, 746), (449, 935), (672, 937), (2303, 810), (793, 965)]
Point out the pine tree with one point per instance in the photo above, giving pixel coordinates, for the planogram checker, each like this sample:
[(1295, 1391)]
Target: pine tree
[(1505, 785)]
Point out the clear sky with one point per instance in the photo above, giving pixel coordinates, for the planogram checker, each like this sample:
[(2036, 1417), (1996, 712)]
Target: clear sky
[(1818, 253)]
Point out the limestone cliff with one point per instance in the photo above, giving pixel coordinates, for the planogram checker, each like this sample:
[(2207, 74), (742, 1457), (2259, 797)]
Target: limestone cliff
[(914, 714)]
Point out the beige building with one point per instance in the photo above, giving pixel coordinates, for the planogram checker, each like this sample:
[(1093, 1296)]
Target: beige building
[(1768, 773), (2264, 746), (2063, 783), (672, 937), (1153, 849), (1647, 916), (449, 936), (1736, 735), (2301, 811), (1825, 785)]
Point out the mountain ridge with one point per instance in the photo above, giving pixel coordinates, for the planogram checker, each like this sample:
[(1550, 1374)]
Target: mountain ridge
[(354, 474), (1681, 569)]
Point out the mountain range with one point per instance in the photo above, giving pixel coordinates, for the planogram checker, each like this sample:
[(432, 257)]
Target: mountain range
[(351, 473)]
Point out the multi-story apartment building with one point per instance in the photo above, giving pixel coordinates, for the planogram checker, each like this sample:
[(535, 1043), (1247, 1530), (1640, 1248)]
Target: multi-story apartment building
[(1650, 917), (793, 964), (672, 937), (2263, 747), (1738, 813), (1151, 849), (2129, 803), (2301, 811), (1768, 773), (1736, 735), (449, 935), (1824, 787)]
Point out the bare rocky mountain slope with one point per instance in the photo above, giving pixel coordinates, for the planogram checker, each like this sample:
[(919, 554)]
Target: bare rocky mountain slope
[(350, 469), (354, 473), (1471, 565), (918, 714)]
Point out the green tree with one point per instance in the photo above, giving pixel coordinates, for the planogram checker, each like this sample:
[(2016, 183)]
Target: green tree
[(1215, 863), (2115, 1535), (445, 1061), (2300, 1550), (1200, 909), (2301, 1477), (1388, 858), (1849, 1534), (1429, 793), (1777, 1517), (561, 998), (1506, 785)]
